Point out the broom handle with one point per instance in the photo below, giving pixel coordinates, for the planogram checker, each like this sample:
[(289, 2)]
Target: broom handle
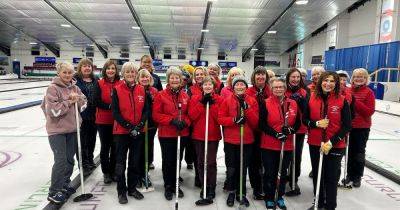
[(206, 152), (78, 132)]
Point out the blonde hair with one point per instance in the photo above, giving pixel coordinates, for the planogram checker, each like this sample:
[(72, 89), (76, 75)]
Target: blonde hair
[(129, 66), (143, 73), (364, 73), (270, 73), (174, 70), (64, 65), (202, 68), (233, 71), (317, 68)]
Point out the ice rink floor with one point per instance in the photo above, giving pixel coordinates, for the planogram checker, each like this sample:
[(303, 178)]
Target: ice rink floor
[(26, 160)]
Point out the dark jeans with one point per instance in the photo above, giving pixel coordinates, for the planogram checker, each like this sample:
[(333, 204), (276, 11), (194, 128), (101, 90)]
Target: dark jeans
[(299, 153), (123, 144), (357, 144), (88, 142), (63, 147), (256, 167), (107, 149), (271, 164), (329, 175), (168, 153), (211, 161), (232, 159)]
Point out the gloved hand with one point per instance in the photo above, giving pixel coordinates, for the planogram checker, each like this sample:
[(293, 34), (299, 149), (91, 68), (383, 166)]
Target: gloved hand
[(323, 123), (240, 120), (326, 147), (182, 125), (243, 104), (134, 132), (288, 130), (175, 122), (207, 98), (281, 137)]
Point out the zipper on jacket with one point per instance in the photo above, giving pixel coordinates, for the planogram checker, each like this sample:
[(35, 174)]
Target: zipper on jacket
[(131, 96)]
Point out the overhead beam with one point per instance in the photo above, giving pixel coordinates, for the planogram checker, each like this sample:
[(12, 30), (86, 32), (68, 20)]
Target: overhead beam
[(205, 23), (246, 53), (101, 48), (139, 23), (53, 48), (5, 49)]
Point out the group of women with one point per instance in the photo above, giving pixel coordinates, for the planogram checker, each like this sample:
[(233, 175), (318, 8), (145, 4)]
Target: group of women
[(263, 127)]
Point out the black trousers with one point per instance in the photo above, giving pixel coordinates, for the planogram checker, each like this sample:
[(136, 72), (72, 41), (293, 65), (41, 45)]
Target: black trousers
[(271, 164), (211, 161), (88, 134), (256, 166), (329, 175), (357, 144), (232, 160), (299, 153), (107, 149), (123, 144), (168, 154)]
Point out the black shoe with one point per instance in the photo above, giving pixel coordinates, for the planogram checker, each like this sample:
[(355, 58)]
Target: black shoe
[(189, 166), (122, 199), (151, 166), (231, 199), (180, 193), (294, 192), (168, 193), (244, 201), (310, 174), (346, 181), (357, 183), (258, 195), (107, 179), (136, 194)]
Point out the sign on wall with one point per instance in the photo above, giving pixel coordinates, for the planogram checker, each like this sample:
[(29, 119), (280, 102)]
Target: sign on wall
[(386, 24)]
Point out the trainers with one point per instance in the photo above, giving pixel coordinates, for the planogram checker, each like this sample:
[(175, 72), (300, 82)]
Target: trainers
[(168, 193), (57, 198), (189, 166), (294, 192), (231, 199), (136, 194), (281, 203), (269, 205), (68, 191), (357, 183), (107, 179), (122, 199), (151, 166)]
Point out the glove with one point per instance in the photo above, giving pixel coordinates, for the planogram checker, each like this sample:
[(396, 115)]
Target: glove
[(281, 137), (239, 120), (175, 122), (287, 130), (207, 99), (134, 132), (322, 123), (243, 104), (182, 125), (326, 147)]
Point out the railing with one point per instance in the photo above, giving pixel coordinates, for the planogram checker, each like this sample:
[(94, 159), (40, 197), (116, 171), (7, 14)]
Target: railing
[(389, 71)]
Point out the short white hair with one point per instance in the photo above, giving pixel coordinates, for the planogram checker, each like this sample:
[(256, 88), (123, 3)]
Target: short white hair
[(362, 71), (317, 68), (129, 66), (174, 70), (64, 65)]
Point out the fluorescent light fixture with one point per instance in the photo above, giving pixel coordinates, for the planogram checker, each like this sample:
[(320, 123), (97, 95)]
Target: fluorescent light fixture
[(146, 46), (32, 43), (271, 32), (200, 48), (301, 2), (136, 27), (205, 30), (65, 25), (254, 49)]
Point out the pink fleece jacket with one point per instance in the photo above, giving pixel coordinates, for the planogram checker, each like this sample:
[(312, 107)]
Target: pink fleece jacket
[(57, 108)]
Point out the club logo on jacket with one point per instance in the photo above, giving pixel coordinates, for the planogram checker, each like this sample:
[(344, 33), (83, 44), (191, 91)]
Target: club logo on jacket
[(335, 109), (184, 101), (141, 99)]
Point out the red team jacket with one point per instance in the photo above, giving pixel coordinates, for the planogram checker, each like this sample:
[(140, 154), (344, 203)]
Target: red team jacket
[(252, 91), (334, 109), (104, 116), (131, 103), (165, 109), (303, 93), (197, 114), (230, 109), (276, 119), (364, 106), (226, 92), (195, 89)]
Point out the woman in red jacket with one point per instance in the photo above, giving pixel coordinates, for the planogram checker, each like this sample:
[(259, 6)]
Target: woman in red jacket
[(198, 75), (295, 91), (197, 114), (364, 108), (129, 109), (145, 79), (170, 112), (260, 91), (278, 121), (327, 115), (228, 89), (237, 110), (105, 120), (214, 70)]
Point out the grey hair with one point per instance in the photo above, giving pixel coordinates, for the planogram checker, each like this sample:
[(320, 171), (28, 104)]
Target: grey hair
[(174, 70), (129, 66)]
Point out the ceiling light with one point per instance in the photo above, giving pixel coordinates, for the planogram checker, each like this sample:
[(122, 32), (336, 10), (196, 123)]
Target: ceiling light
[(271, 32), (146, 46), (32, 43), (200, 48), (254, 49), (136, 27), (205, 30), (301, 2), (66, 25)]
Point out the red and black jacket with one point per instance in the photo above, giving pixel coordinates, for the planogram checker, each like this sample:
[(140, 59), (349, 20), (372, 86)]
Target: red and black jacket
[(301, 103), (129, 107), (197, 115), (273, 119), (230, 109), (103, 111), (336, 109), (165, 109), (364, 106), (254, 92)]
